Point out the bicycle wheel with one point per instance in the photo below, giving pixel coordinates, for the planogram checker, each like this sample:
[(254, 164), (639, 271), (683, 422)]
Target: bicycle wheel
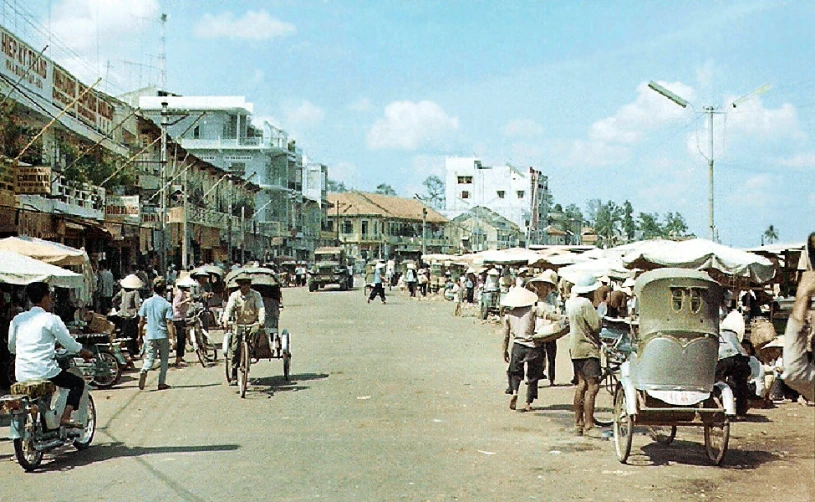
[(106, 370), (228, 364), (623, 426), (200, 346), (243, 369)]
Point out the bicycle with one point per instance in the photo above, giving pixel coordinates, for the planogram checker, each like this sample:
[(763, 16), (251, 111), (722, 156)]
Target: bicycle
[(206, 351), (246, 334)]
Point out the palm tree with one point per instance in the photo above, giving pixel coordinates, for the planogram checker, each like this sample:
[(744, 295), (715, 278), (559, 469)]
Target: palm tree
[(770, 235)]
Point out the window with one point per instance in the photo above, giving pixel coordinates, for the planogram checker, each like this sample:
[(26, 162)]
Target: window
[(347, 227), (364, 227), (465, 194), (196, 133), (695, 300), (465, 180), (520, 194), (677, 298), (501, 194)]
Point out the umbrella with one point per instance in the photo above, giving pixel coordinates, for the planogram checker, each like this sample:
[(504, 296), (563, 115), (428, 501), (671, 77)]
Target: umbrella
[(702, 254), (21, 270), (208, 269), (260, 276)]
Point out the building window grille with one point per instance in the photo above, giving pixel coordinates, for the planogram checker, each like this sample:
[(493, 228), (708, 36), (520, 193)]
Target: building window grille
[(465, 194), (465, 180), (364, 228), (347, 227), (520, 194), (501, 194)]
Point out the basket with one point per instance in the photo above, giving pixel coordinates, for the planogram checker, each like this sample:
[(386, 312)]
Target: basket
[(33, 388), (549, 331), (762, 332)]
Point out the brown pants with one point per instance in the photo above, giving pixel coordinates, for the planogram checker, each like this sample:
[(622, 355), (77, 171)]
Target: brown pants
[(588, 385)]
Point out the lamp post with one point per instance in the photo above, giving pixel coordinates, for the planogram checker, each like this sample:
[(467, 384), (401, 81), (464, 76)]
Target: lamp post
[(424, 223), (165, 121), (710, 111)]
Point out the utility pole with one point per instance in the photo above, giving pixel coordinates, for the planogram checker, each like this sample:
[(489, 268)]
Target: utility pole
[(165, 119), (709, 111), (229, 221), (243, 234), (162, 56), (424, 232), (185, 237)]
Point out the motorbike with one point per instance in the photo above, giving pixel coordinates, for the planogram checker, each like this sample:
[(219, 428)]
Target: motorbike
[(103, 371), (36, 406)]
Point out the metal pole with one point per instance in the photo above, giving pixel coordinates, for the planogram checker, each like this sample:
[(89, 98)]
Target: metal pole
[(243, 234), (165, 117), (709, 110), (229, 222), (424, 231), (184, 239)]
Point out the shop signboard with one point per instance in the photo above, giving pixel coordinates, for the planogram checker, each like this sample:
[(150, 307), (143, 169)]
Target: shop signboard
[(22, 62), (34, 180), (122, 208)]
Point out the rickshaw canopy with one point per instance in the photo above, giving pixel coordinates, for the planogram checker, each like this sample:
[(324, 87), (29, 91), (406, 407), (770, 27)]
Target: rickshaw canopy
[(260, 276)]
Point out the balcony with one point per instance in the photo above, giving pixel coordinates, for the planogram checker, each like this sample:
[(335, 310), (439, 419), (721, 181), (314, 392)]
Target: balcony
[(234, 143)]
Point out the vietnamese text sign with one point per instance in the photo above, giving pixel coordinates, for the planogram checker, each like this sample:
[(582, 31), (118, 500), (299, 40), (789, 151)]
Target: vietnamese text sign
[(122, 208), (34, 180)]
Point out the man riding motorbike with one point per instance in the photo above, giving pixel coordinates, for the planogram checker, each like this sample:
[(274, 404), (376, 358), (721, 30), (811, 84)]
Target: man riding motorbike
[(246, 306), (32, 336)]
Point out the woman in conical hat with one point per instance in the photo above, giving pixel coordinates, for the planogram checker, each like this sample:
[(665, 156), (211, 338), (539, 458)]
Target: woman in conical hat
[(519, 322)]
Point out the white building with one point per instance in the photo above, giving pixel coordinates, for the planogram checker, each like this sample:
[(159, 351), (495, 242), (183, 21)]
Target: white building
[(520, 196), (219, 130)]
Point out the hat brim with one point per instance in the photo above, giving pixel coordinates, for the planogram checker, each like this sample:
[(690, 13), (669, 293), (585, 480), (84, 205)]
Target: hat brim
[(586, 289)]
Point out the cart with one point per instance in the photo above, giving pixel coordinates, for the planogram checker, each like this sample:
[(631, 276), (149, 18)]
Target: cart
[(668, 378)]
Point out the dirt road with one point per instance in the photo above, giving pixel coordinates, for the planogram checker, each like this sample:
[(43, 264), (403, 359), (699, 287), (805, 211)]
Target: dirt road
[(400, 401)]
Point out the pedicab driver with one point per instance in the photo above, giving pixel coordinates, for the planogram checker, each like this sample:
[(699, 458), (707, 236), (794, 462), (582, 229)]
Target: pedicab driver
[(245, 306), (32, 336)]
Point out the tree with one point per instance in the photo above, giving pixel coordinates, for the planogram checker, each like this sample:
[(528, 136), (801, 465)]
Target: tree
[(335, 186), (629, 226), (573, 221), (592, 209), (770, 235), (435, 194), (385, 189), (607, 221), (675, 225), (649, 225)]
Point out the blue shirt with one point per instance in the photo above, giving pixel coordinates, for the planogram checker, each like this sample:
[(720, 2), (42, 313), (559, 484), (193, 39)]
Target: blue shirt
[(156, 312)]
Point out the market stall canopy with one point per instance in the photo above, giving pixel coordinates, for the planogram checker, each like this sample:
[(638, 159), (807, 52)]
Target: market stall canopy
[(513, 256), (55, 254), (21, 270), (702, 254), (611, 267), (260, 276)]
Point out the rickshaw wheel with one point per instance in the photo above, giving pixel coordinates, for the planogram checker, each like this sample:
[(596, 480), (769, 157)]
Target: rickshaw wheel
[(286, 365), (663, 435), (717, 433), (623, 426)]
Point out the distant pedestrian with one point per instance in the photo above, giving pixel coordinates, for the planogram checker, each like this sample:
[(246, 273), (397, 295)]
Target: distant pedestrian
[(105, 287), (130, 302), (181, 305), (156, 315), (411, 279), (379, 283)]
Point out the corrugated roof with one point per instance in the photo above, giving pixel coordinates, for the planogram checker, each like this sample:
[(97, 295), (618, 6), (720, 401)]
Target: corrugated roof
[(373, 204)]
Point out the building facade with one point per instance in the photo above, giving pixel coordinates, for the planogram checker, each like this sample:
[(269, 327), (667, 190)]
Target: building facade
[(373, 226), (521, 196), (481, 229)]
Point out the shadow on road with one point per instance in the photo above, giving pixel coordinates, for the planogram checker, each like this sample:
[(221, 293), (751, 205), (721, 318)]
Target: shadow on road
[(693, 453), (103, 452), (279, 384)]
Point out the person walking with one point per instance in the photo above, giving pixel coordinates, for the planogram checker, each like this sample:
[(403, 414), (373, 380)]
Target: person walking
[(105, 287), (181, 305), (519, 324), (545, 286), (156, 315), (411, 279), (379, 283), (584, 342), (129, 312)]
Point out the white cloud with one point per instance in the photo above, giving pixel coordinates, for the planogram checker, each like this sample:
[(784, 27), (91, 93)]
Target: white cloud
[(302, 115), (752, 118), (800, 161), (755, 192), (522, 128), (345, 172), (704, 74), (78, 22), (361, 105), (253, 25), (408, 126)]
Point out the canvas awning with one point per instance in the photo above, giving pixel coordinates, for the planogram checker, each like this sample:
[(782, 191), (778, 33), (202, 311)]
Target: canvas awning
[(21, 270), (56, 254), (702, 254)]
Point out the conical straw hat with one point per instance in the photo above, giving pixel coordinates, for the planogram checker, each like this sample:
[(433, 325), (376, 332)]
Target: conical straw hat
[(519, 297)]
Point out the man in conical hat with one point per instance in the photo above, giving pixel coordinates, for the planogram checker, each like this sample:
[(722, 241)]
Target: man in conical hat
[(519, 322)]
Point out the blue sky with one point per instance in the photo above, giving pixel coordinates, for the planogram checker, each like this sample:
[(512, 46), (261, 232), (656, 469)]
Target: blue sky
[(383, 91)]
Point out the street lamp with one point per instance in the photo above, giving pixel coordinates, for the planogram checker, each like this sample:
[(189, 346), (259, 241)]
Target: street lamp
[(424, 224), (710, 111)]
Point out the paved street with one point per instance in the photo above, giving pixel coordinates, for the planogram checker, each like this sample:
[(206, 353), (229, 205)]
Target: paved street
[(391, 402)]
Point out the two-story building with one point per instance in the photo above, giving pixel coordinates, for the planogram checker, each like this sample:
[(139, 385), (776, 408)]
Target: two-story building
[(481, 229), (372, 226)]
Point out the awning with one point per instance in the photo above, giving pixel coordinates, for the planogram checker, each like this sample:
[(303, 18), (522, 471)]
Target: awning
[(21, 270)]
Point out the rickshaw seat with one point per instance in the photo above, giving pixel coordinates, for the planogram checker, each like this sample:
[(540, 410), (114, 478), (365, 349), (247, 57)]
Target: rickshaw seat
[(33, 388)]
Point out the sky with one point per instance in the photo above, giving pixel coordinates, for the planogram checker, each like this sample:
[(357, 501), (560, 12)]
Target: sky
[(383, 91)]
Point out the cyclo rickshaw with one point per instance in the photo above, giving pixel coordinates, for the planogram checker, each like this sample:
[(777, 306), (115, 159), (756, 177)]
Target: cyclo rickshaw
[(668, 377), (257, 342)]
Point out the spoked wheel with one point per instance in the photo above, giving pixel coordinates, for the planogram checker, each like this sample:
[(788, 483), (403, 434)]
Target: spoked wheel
[(717, 433), (27, 456), (286, 365), (106, 370), (85, 439), (200, 347), (243, 369), (623, 426), (228, 365), (663, 435)]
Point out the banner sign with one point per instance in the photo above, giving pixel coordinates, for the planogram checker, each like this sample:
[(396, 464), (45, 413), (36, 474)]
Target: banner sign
[(34, 180), (123, 208)]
